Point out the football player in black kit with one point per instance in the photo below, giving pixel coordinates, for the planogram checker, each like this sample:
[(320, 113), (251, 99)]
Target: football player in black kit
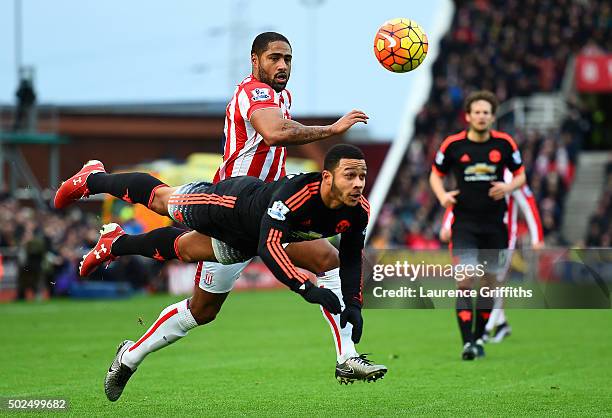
[(232, 221), (477, 158)]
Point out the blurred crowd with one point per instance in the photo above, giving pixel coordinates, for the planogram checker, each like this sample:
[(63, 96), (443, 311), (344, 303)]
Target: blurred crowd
[(48, 246), (599, 232), (513, 48)]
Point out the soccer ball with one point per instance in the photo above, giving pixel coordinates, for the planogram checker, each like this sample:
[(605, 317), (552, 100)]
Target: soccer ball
[(400, 45)]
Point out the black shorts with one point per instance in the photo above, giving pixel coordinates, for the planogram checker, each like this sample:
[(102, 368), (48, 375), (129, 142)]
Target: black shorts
[(187, 211), (481, 243), (196, 206)]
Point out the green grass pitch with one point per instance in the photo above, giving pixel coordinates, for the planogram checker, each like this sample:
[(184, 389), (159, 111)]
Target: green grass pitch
[(271, 354)]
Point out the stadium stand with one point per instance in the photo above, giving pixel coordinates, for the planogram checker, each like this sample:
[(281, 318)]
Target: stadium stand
[(599, 233), (46, 247), (514, 49)]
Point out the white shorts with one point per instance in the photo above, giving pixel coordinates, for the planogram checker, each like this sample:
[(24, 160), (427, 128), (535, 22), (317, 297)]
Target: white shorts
[(219, 278)]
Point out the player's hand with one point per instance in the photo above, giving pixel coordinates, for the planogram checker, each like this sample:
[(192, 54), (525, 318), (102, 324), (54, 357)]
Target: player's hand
[(352, 314), (538, 245), (324, 297), (345, 122), (499, 190), (448, 199)]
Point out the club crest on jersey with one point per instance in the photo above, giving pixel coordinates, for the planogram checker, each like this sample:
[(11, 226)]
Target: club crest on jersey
[(278, 211), (495, 156), (260, 94), (343, 226)]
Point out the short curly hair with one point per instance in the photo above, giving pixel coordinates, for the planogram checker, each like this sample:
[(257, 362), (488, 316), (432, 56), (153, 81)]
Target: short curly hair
[(485, 95)]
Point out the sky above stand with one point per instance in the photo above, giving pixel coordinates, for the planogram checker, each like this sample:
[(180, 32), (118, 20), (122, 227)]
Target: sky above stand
[(112, 51)]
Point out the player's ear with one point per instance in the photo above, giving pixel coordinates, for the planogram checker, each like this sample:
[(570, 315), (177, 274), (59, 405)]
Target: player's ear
[(467, 117), (327, 176), (254, 60)]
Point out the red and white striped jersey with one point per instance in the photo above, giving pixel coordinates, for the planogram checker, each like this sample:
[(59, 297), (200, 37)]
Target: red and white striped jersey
[(245, 152), (521, 197)]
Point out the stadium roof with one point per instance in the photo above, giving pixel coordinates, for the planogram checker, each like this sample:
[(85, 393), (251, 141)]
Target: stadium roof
[(168, 108)]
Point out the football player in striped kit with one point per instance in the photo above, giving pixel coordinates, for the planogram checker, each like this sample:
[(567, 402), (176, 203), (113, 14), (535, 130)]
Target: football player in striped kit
[(258, 127)]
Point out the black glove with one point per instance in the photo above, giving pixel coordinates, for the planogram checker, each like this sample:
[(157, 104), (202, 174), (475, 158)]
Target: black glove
[(352, 314), (324, 297)]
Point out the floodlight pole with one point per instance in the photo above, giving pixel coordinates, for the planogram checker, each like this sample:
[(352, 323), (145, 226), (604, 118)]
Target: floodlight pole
[(18, 36)]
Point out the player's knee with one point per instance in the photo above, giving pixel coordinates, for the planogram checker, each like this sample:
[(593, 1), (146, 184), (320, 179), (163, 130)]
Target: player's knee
[(186, 255), (328, 261), (204, 314), (193, 246), (186, 248), (159, 204)]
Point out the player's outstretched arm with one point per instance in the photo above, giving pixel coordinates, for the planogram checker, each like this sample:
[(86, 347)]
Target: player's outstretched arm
[(277, 131), (273, 255), (275, 227)]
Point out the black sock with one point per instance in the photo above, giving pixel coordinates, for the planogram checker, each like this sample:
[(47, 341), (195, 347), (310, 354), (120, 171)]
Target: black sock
[(484, 306), (158, 244), (131, 187), (464, 317)]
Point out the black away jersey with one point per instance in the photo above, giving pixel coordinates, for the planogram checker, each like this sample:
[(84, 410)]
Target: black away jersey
[(257, 218), (475, 166)]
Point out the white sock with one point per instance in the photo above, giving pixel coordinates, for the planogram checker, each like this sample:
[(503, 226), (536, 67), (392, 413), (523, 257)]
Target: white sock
[(497, 315), (345, 348), (501, 318), (171, 325), (492, 322)]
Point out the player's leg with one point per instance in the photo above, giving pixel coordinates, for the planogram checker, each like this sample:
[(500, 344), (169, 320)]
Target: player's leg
[(93, 179), (497, 320), (213, 282), (464, 249), (494, 256), (165, 243), (169, 243), (172, 324), (321, 256)]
